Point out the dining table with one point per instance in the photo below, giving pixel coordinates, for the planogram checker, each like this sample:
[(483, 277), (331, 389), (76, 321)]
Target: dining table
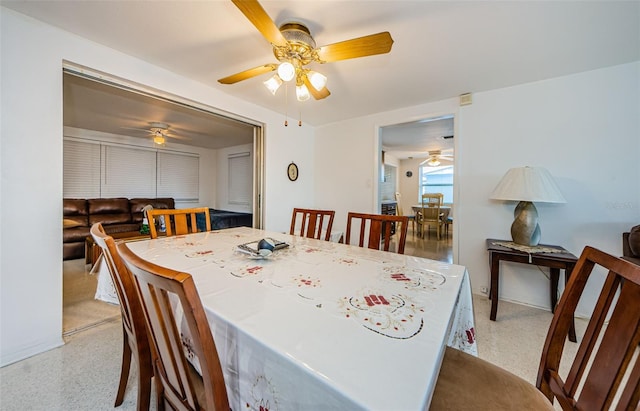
[(320, 325)]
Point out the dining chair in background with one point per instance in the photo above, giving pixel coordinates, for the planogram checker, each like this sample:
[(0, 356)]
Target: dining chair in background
[(177, 221), (431, 214), (412, 218), (134, 329), (375, 230), (178, 385), (605, 373), (312, 223)]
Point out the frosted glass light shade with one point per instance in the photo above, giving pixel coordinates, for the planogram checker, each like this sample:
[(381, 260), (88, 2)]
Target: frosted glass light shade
[(159, 139), (273, 84), (317, 80), (286, 71), (302, 93)]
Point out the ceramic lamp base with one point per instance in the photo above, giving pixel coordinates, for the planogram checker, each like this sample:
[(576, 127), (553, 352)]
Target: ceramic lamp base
[(525, 229)]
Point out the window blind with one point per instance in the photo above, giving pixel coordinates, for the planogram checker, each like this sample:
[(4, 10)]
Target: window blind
[(128, 172), (81, 169), (178, 176), (240, 178)]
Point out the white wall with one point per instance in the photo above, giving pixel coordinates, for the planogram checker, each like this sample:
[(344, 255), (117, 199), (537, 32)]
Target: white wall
[(584, 128), (31, 64)]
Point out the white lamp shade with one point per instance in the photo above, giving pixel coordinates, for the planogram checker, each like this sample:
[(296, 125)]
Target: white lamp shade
[(302, 93), (533, 184), (273, 84), (286, 71)]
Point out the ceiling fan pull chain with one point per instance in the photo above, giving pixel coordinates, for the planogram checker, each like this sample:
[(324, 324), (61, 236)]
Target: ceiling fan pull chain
[(300, 118), (286, 104)]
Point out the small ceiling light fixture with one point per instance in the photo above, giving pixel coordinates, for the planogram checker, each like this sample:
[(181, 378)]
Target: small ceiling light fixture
[(158, 138), (433, 162), (302, 93), (286, 71), (273, 84), (317, 80)]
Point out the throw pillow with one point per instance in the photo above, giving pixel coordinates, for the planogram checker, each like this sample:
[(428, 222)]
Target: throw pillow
[(634, 240), (68, 223)]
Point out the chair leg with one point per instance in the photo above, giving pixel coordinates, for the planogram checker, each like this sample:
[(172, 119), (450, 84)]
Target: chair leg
[(126, 364), (145, 374)]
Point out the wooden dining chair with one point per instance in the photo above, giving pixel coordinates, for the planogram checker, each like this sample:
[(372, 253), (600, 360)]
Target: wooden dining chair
[(399, 211), (177, 221), (375, 230), (134, 329), (178, 385), (605, 373), (430, 214), (311, 223)]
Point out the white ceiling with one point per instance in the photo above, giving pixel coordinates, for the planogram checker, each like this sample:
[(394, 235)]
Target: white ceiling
[(441, 48)]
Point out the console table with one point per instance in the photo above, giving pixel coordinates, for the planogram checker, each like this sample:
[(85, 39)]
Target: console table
[(556, 261)]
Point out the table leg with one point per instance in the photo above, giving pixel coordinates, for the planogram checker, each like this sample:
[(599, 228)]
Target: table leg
[(555, 276), (493, 291)]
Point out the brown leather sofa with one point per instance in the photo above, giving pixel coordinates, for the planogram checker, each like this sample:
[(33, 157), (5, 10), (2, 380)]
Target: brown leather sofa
[(631, 245), (117, 215)]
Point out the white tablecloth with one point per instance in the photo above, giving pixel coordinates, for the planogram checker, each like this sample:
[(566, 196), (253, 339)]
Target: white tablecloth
[(323, 325)]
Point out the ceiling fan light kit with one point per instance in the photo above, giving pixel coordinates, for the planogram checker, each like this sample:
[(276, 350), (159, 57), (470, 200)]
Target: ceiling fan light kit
[(294, 48)]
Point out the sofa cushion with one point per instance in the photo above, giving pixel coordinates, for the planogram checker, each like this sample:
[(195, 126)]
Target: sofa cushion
[(77, 234), (75, 212), (109, 211), (634, 240), (74, 207)]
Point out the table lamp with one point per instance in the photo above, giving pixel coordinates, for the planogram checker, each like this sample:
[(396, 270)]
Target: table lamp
[(527, 185)]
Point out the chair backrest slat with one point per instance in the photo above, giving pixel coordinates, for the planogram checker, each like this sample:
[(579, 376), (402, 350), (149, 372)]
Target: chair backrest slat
[(379, 228), (310, 223), (609, 349), (178, 221)]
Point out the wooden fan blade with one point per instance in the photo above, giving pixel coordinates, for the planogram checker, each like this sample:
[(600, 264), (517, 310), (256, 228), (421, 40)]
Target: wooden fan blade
[(360, 47), (318, 95), (259, 18), (243, 75)]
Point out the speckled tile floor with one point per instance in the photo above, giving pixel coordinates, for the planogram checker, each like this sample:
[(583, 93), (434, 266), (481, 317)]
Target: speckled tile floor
[(82, 374)]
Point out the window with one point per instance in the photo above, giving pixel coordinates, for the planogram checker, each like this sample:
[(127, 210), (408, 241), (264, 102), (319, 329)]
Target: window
[(178, 176), (437, 180), (81, 169), (240, 181), (97, 169)]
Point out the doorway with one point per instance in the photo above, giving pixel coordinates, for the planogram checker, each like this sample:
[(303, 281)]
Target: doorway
[(111, 112), (422, 154)]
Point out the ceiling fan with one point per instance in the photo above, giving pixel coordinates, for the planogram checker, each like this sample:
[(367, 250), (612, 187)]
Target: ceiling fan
[(434, 158), (295, 48), (159, 132)]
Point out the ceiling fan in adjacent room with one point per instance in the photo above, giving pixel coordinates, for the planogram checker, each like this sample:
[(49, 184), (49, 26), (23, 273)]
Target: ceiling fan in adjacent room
[(159, 132), (435, 157), (295, 48)]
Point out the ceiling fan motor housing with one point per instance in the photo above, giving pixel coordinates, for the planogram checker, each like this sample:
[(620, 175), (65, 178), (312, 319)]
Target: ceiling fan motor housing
[(300, 50)]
